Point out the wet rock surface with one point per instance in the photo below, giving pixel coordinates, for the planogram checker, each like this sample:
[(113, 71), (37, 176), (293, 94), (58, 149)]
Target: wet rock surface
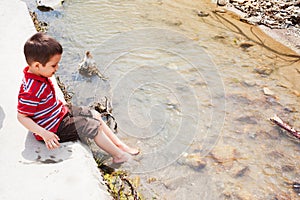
[(224, 155), (272, 13), (194, 161)]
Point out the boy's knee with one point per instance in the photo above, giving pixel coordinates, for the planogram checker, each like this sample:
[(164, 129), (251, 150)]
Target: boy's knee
[(96, 115)]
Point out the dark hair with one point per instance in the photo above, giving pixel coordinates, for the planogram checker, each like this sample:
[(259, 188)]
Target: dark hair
[(40, 48)]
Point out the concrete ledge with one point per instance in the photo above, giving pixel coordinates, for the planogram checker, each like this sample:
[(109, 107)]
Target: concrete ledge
[(27, 169)]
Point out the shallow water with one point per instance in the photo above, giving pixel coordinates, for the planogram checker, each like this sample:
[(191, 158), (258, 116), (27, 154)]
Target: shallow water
[(187, 94)]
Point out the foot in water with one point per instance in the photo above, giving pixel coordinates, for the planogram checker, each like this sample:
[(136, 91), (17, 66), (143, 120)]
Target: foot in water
[(130, 150), (123, 158)]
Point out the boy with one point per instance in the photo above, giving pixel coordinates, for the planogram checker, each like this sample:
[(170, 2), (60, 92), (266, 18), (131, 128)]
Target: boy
[(44, 115)]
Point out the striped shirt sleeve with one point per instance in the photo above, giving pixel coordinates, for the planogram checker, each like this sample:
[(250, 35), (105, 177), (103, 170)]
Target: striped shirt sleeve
[(27, 104)]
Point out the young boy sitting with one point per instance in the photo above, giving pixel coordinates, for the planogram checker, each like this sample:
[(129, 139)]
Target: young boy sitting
[(48, 118)]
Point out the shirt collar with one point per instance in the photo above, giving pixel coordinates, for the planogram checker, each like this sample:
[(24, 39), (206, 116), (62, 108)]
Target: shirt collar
[(29, 75)]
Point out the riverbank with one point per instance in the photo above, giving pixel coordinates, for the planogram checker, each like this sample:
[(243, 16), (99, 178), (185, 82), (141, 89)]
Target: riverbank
[(279, 19), (283, 42), (28, 170)]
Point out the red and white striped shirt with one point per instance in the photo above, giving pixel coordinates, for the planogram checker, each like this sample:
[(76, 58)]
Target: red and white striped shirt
[(38, 101)]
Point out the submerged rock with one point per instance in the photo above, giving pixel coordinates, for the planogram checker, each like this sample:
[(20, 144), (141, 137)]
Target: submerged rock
[(264, 70), (287, 168), (224, 155), (268, 92), (247, 119), (194, 161), (241, 172)]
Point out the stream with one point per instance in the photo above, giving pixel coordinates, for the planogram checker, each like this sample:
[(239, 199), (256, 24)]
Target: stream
[(194, 93)]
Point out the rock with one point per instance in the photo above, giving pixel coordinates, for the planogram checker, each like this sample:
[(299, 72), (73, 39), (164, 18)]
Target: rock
[(240, 1), (224, 155), (240, 194), (202, 14), (247, 119), (254, 20), (295, 92), (222, 2), (49, 3), (249, 83), (246, 45), (290, 109), (269, 13), (174, 183), (241, 172), (89, 68), (151, 180), (194, 161), (296, 187), (244, 195), (268, 92), (287, 168), (252, 135), (44, 8), (264, 70), (219, 11), (172, 22)]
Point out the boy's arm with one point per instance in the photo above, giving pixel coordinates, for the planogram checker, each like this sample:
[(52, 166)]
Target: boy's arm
[(51, 139)]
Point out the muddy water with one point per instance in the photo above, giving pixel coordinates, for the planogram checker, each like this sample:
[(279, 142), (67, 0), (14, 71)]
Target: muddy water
[(188, 91)]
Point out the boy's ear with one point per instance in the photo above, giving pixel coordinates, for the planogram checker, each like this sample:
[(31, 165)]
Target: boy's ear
[(37, 65)]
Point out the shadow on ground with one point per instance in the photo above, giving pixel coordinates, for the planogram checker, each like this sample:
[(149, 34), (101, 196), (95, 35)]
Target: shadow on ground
[(2, 116), (37, 152)]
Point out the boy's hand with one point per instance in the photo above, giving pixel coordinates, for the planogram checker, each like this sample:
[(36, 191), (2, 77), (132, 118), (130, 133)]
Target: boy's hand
[(51, 140)]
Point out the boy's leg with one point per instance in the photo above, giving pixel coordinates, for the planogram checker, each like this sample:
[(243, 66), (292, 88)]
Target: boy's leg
[(107, 145), (108, 132)]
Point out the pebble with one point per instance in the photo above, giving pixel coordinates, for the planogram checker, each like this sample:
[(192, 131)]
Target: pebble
[(222, 2), (268, 92), (202, 14), (247, 119), (219, 11), (241, 172)]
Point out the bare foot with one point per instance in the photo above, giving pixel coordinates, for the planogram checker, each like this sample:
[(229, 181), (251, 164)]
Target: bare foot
[(130, 150), (123, 158)]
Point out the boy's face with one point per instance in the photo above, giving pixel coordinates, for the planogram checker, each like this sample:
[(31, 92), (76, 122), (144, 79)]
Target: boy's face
[(50, 67)]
